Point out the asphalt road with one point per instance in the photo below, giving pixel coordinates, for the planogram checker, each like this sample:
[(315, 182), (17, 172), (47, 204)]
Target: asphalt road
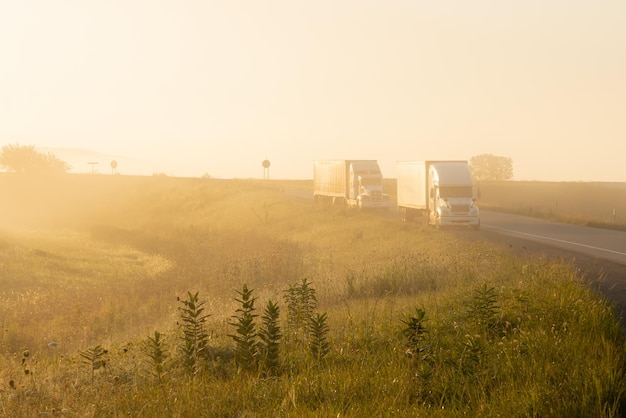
[(594, 242)]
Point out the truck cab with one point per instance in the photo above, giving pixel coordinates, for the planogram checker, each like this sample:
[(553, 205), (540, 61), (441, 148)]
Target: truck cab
[(451, 196), (354, 183), (365, 185)]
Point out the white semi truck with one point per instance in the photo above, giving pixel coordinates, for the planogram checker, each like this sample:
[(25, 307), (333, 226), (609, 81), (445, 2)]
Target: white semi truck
[(356, 183), (441, 190)]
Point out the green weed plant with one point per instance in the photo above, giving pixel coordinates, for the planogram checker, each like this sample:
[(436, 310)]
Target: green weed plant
[(499, 335)]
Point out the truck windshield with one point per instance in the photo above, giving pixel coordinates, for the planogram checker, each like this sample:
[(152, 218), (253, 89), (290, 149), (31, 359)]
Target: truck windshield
[(455, 191), (370, 181)]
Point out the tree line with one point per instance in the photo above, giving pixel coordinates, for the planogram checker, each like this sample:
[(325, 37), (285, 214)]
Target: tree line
[(25, 159)]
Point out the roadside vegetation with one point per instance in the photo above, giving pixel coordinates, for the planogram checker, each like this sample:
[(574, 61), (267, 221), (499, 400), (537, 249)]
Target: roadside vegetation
[(158, 296)]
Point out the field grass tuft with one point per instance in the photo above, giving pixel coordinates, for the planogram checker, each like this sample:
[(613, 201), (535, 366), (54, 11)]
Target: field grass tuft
[(126, 293)]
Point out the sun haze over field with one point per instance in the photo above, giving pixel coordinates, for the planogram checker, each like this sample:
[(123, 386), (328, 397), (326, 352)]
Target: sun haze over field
[(215, 87)]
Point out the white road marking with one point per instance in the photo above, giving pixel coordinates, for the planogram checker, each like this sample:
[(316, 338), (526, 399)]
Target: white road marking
[(557, 240)]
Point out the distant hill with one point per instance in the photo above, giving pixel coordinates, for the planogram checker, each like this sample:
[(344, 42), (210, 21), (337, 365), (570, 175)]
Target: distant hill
[(80, 159)]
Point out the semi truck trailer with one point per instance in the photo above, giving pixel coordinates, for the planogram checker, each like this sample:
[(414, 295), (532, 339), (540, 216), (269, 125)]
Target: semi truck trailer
[(356, 183), (443, 191)]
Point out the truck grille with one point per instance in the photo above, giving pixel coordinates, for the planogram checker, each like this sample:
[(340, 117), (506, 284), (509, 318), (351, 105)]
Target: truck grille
[(459, 209), (376, 196)]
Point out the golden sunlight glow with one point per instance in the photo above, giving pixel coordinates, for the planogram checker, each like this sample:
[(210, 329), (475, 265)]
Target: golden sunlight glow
[(195, 87)]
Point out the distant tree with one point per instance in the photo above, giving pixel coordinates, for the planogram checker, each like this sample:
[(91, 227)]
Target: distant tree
[(491, 167), (26, 159)]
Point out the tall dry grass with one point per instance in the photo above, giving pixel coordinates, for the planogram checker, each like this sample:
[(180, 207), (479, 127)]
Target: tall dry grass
[(99, 261)]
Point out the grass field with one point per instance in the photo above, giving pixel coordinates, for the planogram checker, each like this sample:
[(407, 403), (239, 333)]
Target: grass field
[(158, 296), (591, 204)]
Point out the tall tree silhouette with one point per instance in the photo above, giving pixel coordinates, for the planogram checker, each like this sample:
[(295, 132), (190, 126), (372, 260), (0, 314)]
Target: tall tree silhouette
[(491, 167), (26, 159)]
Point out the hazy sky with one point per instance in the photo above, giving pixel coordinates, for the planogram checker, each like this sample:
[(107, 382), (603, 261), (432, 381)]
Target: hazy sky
[(215, 87)]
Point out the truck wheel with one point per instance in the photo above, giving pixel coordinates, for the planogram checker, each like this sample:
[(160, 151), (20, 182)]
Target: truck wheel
[(408, 215)]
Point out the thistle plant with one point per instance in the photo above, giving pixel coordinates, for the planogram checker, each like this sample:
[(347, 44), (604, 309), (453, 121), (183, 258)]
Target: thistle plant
[(301, 303), (318, 331), (245, 337), (157, 355), (418, 351), (472, 354), (195, 339), (484, 308), (415, 333), (270, 339), (95, 358)]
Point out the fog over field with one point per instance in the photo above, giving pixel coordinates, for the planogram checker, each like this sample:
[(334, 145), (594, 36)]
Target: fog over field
[(189, 88)]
